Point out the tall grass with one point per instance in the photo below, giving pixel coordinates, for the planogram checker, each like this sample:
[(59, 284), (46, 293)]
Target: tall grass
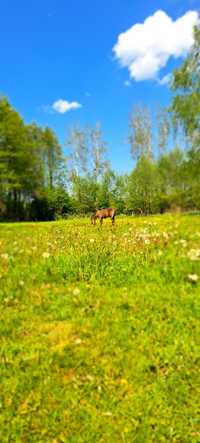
[(100, 331)]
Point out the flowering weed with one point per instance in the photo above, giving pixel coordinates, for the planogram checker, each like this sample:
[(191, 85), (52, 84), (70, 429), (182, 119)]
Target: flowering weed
[(100, 331)]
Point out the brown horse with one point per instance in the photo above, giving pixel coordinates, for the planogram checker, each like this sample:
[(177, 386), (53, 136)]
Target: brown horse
[(103, 213)]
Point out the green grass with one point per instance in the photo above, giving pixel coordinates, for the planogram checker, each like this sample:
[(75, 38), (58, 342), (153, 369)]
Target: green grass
[(100, 331)]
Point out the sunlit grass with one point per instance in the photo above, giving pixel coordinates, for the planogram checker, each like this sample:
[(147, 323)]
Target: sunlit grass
[(99, 331)]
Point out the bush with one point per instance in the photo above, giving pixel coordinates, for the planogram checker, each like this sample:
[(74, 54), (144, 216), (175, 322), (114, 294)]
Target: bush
[(55, 204)]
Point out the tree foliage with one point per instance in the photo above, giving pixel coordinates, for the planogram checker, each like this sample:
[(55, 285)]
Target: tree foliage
[(140, 136), (186, 87), (31, 162)]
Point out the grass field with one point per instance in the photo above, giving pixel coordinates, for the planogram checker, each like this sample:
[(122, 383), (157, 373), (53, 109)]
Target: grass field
[(100, 331)]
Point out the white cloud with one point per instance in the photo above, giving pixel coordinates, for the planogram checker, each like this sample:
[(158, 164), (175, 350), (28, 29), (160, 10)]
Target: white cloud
[(63, 106), (165, 80), (146, 48)]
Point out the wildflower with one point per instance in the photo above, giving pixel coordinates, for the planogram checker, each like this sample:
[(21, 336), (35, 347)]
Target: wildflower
[(193, 278), (183, 242), (123, 381), (76, 291), (165, 235), (194, 254), (45, 255), (89, 377), (21, 283), (92, 240), (77, 341), (5, 256)]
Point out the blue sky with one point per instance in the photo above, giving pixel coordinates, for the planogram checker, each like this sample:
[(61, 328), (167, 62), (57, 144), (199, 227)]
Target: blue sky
[(63, 49)]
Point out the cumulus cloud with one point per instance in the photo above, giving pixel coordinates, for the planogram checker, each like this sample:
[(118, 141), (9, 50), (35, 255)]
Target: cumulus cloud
[(146, 48), (63, 106)]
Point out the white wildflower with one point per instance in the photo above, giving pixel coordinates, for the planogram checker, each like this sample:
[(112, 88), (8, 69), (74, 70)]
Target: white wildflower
[(193, 278), (45, 255), (78, 341), (194, 254), (76, 291), (89, 377), (5, 256), (165, 235), (183, 242)]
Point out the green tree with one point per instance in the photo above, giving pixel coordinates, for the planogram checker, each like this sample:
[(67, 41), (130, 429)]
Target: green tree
[(78, 151), (118, 195), (18, 172), (173, 178), (53, 158), (105, 190), (140, 136), (98, 151), (144, 187), (185, 109), (163, 130), (185, 106), (87, 166), (84, 192), (30, 162)]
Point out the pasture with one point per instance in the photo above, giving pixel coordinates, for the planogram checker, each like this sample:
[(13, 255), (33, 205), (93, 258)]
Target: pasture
[(100, 331)]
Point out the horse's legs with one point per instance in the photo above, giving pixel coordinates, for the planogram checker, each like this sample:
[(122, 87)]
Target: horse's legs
[(101, 221), (113, 220)]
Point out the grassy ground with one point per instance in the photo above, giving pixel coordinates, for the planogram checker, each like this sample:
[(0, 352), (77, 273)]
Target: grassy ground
[(99, 331)]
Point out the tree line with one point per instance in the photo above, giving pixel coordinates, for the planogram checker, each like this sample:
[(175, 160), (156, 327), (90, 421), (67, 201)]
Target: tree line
[(39, 182)]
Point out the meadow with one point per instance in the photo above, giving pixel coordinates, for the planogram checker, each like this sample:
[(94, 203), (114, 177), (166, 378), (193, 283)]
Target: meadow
[(99, 331)]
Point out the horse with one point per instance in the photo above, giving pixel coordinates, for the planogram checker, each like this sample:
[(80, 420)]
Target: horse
[(103, 213)]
